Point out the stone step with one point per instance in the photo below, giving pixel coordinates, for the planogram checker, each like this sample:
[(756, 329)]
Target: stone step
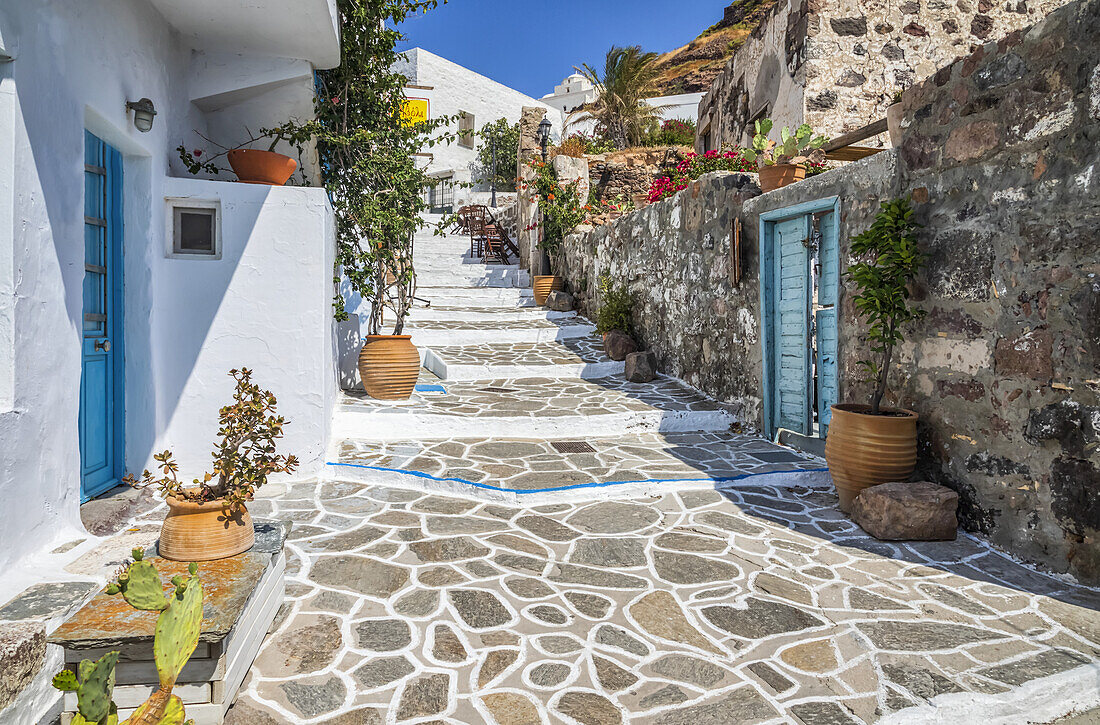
[(532, 407), (443, 312), (534, 470), (479, 332), (578, 357), (477, 297), (478, 277)]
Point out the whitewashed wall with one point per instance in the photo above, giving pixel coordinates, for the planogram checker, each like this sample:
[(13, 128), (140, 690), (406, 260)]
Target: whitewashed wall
[(453, 89), (76, 64)]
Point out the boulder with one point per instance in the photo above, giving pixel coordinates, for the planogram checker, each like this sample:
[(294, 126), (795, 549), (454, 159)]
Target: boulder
[(641, 367), (22, 655), (918, 511), (617, 344), (559, 301)]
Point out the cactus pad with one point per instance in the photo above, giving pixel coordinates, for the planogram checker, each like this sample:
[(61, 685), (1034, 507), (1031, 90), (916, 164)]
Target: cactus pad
[(142, 588), (177, 632), (95, 687)]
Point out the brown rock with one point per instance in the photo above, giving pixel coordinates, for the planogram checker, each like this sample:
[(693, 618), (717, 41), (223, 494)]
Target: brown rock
[(919, 511), (972, 140), (617, 344), (22, 654), (559, 301), (641, 367), (1028, 354)]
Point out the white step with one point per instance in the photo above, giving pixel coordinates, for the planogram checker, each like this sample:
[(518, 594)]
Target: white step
[(580, 357), (465, 332), (477, 296), (456, 276), (424, 316)]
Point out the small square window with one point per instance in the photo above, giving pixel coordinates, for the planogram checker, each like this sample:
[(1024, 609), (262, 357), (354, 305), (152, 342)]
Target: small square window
[(194, 229)]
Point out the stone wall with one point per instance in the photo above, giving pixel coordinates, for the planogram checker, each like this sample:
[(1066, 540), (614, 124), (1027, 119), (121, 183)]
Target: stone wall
[(1002, 149), (625, 173), (836, 64), (1000, 159)]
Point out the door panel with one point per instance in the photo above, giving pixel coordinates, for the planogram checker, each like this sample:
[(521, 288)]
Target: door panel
[(826, 319), (792, 348), (101, 355)]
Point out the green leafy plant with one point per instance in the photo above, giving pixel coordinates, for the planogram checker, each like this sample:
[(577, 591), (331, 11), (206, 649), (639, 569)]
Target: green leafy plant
[(892, 261), (292, 132), (560, 206), (243, 458), (506, 136), (616, 308), (801, 147), (174, 640), (620, 111)]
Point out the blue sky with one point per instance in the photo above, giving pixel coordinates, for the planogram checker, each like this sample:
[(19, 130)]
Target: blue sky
[(531, 45)]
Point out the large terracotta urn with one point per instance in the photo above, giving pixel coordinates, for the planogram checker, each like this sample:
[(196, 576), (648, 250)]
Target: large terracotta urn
[(194, 531), (389, 366), (776, 176), (864, 450), (544, 284)]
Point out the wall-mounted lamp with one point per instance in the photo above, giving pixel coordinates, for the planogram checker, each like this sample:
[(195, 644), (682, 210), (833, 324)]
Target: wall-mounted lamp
[(143, 114), (544, 135)]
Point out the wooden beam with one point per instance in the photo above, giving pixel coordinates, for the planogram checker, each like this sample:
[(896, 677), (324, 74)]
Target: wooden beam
[(852, 153), (871, 129)]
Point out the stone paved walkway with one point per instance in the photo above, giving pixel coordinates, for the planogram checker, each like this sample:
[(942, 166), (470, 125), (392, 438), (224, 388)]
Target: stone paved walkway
[(531, 539), (755, 604)]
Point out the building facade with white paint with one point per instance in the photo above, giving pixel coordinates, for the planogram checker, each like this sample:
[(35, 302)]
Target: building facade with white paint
[(116, 337), (576, 90), (450, 90)]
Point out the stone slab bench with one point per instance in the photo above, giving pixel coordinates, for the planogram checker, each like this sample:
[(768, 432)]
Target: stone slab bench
[(242, 595)]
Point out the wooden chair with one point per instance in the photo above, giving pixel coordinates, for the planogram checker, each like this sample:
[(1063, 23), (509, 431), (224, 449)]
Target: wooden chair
[(476, 221)]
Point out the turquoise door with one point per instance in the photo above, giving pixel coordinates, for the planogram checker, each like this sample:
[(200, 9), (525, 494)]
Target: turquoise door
[(799, 283), (101, 386)]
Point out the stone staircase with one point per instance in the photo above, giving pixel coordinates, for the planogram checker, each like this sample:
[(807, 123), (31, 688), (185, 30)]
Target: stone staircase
[(517, 402)]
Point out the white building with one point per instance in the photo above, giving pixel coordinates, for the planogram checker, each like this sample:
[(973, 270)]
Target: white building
[(451, 89), (575, 90), (115, 338)]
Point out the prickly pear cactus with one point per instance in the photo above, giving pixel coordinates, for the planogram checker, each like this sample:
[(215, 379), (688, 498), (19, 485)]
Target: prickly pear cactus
[(93, 683), (175, 638), (178, 628)]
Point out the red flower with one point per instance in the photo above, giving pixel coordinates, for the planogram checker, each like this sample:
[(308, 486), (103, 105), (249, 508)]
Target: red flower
[(198, 153)]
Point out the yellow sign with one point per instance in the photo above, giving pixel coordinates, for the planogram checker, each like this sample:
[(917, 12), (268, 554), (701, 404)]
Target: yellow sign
[(415, 110)]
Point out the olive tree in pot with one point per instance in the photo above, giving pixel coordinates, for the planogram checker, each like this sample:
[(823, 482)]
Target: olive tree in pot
[(869, 444), (210, 520)]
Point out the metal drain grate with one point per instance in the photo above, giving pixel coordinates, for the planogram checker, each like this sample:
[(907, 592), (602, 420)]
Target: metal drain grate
[(498, 390), (572, 447)]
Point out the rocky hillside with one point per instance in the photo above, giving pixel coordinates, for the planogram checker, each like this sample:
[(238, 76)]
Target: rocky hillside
[(691, 68)]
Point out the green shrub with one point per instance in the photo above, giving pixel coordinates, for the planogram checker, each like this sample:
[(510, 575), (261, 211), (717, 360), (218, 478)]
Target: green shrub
[(616, 308)]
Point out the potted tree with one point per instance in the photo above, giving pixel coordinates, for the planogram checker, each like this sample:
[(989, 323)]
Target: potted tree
[(561, 212), (869, 444), (210, 520), (785, 162)]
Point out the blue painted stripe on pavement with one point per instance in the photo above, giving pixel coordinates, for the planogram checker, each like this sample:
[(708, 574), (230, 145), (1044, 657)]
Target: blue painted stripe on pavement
[(431, 389), (594, 484)]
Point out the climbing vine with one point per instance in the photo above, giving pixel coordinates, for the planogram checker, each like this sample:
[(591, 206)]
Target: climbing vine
[(560, 207)]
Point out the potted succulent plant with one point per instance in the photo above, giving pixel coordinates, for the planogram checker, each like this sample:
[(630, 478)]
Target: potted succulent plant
[(785, 162), (210, 520), (869, 444)]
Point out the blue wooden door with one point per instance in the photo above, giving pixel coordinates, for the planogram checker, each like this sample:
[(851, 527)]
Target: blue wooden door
[(101, 385), (828, 283), (791, 325)]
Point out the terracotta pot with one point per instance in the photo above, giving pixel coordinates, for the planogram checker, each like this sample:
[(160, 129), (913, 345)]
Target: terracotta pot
[(777, 176), (389, 366), (864, 450), (893, 124), (544, 284), (204, 531), (261, 167)]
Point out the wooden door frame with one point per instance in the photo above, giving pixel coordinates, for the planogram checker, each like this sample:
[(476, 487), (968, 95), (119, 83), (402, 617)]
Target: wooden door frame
[(768, 220)]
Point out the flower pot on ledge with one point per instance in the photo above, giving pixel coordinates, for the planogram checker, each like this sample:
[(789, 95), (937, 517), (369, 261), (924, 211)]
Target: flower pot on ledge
[(253, 166), (776, 176), (205, 531), (864, 450)]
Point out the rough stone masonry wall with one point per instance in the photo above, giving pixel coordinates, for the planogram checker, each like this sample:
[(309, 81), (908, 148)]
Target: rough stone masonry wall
[(626, 173), (836, 64), (1000, 157), (1003, 150)]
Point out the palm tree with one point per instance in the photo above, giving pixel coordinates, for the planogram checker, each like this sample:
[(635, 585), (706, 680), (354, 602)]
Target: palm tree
[(629, 77)]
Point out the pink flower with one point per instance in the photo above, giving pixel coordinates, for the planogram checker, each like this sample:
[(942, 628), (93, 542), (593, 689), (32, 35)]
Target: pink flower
[(198, 153)]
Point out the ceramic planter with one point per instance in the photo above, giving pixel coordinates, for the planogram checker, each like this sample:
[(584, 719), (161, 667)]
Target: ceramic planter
[(864, 450), (261, 167), (893, 124), (204, 531), (777, 176), (544, 284), (389, 366)]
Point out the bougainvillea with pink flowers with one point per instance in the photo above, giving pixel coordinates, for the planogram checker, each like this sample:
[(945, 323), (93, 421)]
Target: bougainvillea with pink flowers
[(695, 165)]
